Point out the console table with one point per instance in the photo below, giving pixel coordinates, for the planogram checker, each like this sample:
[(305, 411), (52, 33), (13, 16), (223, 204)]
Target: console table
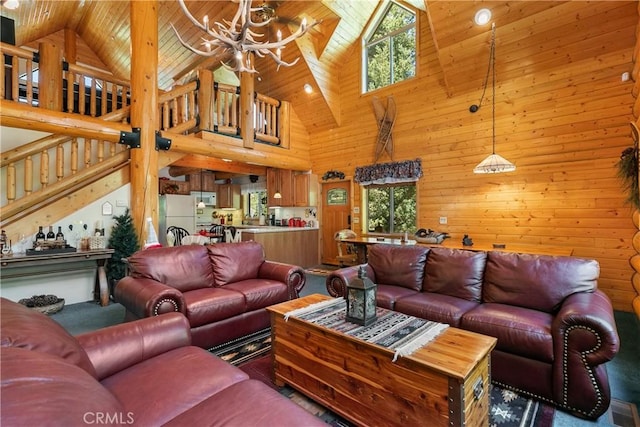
[(20, 265), (361, 243)]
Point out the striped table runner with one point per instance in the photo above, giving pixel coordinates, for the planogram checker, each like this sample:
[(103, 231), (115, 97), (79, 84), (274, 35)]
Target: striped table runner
[(396, 331)]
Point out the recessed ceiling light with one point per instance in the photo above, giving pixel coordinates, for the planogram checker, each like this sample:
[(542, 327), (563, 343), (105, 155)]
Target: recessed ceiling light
[(308, 88), (11, 4), (483, 16)]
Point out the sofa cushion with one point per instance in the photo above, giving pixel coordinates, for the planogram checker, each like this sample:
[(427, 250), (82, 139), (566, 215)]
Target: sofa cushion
[(22, 327), (455, 272), (159, 389), (40, 389), (386, 295), (247, 403), (181, 267), (260, 293), (209, 305), (435, 307), (540, 282), (398, 265), (520, 331), (233, 262)]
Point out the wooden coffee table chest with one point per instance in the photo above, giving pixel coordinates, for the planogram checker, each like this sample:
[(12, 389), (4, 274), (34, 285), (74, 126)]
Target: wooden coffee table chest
[(445, 383)]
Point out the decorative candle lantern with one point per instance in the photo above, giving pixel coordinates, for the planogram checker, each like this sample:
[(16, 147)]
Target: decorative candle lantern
[(361, 299)]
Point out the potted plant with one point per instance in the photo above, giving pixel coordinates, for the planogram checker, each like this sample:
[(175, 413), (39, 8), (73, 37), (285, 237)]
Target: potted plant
[(124, 241), (628, 169)]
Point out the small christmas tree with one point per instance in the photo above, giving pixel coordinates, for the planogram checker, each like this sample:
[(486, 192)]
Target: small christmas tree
[(124, 241)]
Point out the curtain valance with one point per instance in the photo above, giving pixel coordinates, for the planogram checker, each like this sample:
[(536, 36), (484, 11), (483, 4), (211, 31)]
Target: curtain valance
[(389, 173)]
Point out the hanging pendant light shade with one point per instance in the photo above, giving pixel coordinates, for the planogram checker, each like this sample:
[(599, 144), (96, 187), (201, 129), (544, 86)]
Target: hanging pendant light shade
[(494, 163)]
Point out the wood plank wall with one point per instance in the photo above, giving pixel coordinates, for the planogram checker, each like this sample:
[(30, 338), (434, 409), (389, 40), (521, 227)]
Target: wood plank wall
[(563, 126)]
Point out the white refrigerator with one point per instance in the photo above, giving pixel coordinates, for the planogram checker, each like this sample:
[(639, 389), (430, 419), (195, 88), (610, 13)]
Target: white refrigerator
[(177, 210)]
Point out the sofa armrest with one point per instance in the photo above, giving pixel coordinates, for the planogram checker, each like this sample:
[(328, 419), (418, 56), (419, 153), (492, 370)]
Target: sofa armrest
[(147, 297), (293, 276), (584, 337), (115, 348), (337, 280)]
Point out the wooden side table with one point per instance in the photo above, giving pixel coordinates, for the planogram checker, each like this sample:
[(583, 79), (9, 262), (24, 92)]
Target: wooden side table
[(32, 265)]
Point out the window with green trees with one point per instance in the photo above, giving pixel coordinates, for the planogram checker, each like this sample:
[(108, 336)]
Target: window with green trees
[(391, 208), (390, 50)]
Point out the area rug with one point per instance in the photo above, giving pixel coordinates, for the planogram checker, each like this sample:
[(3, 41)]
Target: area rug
[(252, 355)]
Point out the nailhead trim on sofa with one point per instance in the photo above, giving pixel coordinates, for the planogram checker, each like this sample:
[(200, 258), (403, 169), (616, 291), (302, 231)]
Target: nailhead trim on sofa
[(162, 301), (586, 365)]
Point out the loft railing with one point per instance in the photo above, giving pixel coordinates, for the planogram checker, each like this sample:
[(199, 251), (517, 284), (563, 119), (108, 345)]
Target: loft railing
[(34, 170), (93, 92)]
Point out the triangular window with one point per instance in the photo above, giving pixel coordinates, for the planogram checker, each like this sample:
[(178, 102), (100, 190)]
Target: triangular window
[(390, 48)]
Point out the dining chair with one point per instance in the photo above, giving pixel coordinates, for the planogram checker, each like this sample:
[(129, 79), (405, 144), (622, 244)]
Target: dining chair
[(217, 230), (178, 233)]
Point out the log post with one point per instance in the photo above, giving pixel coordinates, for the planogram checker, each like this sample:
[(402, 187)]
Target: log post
[(247, 92), (205, 99), (50, 77), (144, 114)]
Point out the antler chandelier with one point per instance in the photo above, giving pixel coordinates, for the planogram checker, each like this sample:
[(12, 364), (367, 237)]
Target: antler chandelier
[(239, 38)]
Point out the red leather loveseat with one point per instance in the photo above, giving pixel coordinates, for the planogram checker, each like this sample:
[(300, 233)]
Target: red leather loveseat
[(223, 289), (142, 373), (555, 329)]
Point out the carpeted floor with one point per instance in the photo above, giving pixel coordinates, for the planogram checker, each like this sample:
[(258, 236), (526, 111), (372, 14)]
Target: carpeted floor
[(624, 370)]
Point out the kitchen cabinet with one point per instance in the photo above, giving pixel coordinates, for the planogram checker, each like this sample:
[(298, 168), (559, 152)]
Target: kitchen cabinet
[(203, 181), (167, 186), (228, 196), (296, 246), (305, 188), (280, 180)]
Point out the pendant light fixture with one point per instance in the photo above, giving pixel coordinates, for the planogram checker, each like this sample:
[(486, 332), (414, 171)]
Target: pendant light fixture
[(494, 163), (201, 202)]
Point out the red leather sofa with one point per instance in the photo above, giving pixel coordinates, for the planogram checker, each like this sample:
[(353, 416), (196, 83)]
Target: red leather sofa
[(222, 289), (142, 373), (555, 329)]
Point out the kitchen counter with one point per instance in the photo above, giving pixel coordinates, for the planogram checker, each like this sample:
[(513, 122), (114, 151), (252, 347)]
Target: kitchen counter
[(291, 245), (261, 228), (271, 228)]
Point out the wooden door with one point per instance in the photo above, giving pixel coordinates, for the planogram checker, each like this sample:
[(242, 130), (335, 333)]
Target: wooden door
[(336, 215)]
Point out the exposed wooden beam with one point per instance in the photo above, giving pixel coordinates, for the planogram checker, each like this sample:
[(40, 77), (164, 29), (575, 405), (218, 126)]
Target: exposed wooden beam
[(197, 162), (23, 116), (181, 171), (225, 147)]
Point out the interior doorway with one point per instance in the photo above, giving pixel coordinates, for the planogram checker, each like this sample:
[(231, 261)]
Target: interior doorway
[(336, 215)]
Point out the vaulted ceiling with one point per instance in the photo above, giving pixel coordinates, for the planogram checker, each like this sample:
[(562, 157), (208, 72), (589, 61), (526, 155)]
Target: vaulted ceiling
[(527, 40)]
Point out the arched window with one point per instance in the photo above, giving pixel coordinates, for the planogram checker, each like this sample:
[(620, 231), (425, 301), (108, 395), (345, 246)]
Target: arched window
[(390, 48)]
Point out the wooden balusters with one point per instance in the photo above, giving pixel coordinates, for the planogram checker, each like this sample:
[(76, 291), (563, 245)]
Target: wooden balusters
[(11, 182), (15, 78), (59, 162), (29, 76), (28, 175), (226, 108), (87, 152), (73, 165), (266, 120), (100, 151), (44, 168)]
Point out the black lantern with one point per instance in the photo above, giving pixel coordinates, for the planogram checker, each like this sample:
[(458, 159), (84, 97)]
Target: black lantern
[(361, 299)]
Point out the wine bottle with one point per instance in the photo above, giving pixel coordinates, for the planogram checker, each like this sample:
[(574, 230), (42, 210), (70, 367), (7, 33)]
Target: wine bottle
[(40, 237), (3, 240), (51, 235), (60, 235)]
